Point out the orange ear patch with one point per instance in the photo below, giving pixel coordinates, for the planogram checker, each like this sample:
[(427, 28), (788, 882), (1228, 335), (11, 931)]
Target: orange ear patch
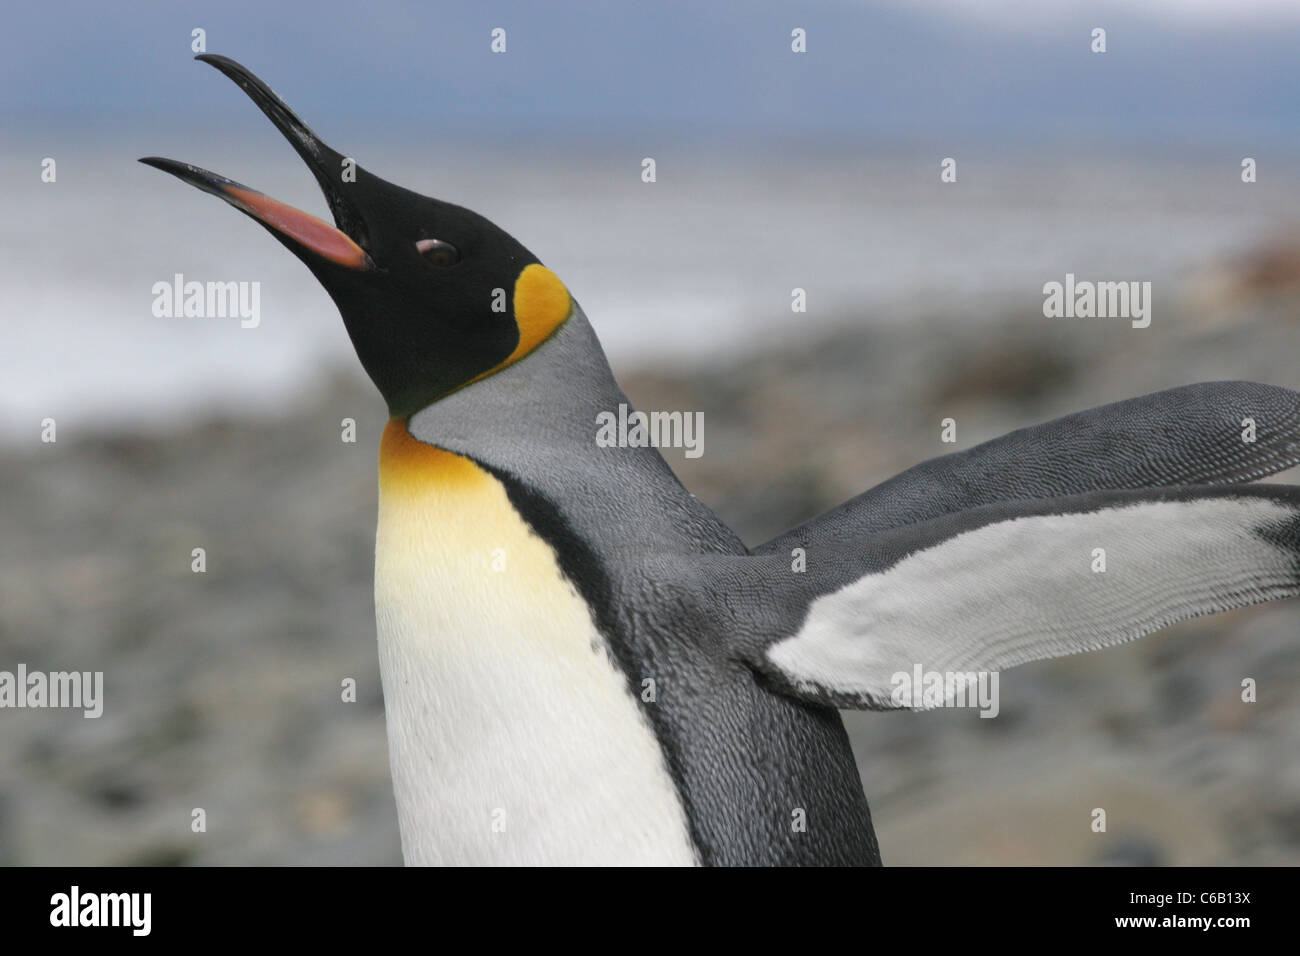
[(541, 304)]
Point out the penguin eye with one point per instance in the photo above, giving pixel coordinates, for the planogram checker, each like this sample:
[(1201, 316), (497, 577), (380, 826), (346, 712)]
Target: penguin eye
[(438, 252)]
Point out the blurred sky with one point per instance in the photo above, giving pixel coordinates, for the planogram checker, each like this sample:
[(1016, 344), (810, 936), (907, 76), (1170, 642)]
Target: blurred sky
[(1192, 69)]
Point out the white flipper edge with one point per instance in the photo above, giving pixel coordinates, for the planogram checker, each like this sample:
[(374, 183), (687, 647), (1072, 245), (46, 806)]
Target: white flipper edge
[(1028, 587)]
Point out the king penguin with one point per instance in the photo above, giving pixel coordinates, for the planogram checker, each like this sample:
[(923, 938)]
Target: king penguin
[(582, 665)]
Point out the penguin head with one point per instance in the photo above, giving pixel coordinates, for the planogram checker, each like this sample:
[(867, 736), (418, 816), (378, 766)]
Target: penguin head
[(434, 296)]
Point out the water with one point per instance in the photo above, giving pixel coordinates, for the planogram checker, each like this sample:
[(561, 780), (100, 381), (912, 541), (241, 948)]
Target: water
[(695, 266)]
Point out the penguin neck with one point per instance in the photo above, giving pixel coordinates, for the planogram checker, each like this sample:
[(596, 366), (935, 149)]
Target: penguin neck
[(534, 426)]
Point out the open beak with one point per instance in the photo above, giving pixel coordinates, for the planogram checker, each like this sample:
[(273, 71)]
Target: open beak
[(300, 231)]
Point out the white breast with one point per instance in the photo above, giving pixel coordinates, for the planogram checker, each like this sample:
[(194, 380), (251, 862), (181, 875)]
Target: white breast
[(513, 736)]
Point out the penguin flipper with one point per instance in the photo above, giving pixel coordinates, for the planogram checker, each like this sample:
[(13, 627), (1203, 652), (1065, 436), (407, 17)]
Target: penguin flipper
[(1000, 585), (1206, 434)]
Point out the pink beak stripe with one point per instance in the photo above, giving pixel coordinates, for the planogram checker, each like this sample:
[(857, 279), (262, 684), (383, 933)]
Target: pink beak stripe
[(304, 228)]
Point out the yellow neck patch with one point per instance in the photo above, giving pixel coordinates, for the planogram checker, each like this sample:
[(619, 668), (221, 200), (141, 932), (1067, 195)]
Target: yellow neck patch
[(408, 466)]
